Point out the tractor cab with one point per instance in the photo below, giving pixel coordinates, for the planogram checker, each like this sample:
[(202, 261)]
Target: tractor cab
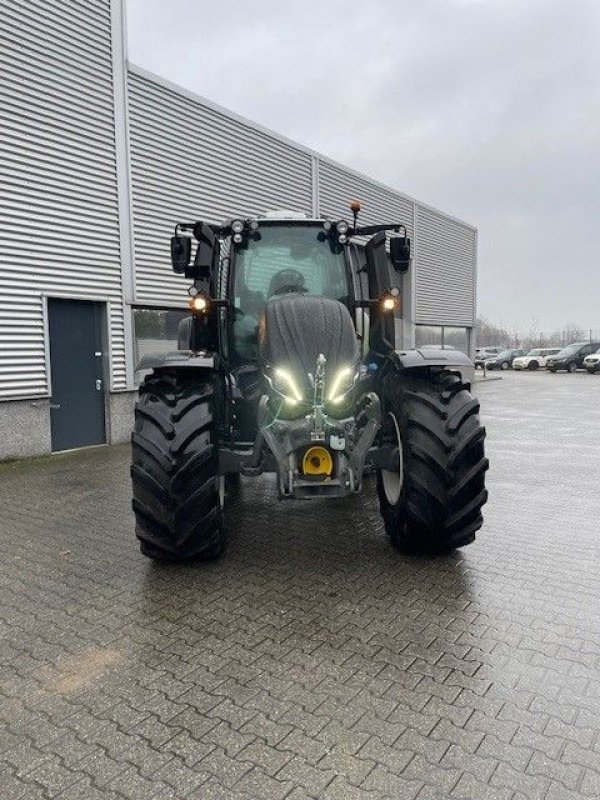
[(282, 257)]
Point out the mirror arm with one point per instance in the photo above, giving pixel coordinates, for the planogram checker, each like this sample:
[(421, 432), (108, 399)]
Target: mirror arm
[(369, 230)]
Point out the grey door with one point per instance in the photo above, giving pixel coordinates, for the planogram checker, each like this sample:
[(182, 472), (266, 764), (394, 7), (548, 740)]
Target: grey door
[(76, 364)]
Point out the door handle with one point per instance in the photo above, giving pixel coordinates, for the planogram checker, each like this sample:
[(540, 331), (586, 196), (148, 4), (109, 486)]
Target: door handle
[(98, 385)]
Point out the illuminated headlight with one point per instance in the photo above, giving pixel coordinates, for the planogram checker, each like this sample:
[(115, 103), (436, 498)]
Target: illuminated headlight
[(237, 226), (285, 384), (199, 303), (342, 227), (390, 301), (343, 381)]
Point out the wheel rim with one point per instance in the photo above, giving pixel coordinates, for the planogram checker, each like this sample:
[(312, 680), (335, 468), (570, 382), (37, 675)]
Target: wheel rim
[(392, 481), (505, 365)]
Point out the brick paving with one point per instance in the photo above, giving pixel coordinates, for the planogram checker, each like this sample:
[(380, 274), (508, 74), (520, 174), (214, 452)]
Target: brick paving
[(312, 661)]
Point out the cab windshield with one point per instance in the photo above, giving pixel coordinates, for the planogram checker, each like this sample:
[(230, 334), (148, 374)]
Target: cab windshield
[(282, 259)]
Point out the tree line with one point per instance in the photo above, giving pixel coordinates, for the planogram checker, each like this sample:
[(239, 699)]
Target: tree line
[(491, 334)]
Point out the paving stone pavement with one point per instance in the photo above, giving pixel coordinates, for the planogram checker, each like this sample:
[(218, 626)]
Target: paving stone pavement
[(312, 661)]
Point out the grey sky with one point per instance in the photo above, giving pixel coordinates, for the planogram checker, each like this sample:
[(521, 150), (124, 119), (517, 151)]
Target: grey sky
[(489, 109)]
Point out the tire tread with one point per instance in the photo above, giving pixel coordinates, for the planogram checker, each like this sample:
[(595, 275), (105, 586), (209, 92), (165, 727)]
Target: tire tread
[(444, 481), (174, 469)]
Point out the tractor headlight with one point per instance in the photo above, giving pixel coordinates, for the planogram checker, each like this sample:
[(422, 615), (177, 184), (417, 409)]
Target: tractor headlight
[(342, 227), (237, 226), (199, 303), (285, 384), (343, 381)]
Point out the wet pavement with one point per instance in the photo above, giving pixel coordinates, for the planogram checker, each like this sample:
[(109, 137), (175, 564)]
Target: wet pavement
[(312, 661)]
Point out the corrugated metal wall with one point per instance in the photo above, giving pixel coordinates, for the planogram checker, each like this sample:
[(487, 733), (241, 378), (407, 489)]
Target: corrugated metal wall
[(444, 249), (59, 231), (446, 264), (338, 187), (191, 161), (186, 164)]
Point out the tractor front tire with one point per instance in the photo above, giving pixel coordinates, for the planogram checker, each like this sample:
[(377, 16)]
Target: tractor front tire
[(176, 496), (433, 505)]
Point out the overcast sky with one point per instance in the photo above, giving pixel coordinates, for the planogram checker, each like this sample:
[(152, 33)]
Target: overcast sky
[(488, 109)]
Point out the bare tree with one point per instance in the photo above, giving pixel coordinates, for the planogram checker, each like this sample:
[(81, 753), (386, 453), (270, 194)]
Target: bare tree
[(490, 334), (570, 333)]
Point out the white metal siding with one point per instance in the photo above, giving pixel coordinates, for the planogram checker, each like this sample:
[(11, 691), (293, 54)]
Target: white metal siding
[(338, 187), (59, 231), (446, 263), (191, 161)]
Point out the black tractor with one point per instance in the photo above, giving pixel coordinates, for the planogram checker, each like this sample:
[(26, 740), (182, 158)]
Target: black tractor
[(287, 364)]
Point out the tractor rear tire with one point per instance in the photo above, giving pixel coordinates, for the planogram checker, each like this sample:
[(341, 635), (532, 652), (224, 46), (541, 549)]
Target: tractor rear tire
[(435, 505), (176, 496)]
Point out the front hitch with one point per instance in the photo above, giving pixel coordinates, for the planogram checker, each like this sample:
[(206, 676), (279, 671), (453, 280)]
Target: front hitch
[(348, 441)]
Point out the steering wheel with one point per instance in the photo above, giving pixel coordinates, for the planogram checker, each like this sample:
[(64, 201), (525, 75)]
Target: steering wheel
[(286, 281)]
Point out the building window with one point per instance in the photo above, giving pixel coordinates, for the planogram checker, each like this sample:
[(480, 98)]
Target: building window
[(457, 338), (155, 331), (428, 336), (442, 336)]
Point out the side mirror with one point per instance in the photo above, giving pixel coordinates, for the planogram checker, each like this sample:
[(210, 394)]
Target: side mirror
[(400, 253), (181, 252)]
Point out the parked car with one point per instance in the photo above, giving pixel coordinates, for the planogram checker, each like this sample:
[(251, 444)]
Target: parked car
[(535, 358), (504, 359), (483, 353), (571, 358), (592, 362)]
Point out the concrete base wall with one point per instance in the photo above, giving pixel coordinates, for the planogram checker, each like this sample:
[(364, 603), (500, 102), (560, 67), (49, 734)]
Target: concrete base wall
[(120, 417), (25, 425), (24, 428)]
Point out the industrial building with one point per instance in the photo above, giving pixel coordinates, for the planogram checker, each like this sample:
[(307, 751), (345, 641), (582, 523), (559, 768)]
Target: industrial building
[(99, 159)]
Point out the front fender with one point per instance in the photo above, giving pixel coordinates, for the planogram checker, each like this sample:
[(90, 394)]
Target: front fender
[(453, 360), (179, 358)]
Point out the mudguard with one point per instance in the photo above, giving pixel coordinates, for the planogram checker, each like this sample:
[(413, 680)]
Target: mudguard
[(179, 358), (453, 360)]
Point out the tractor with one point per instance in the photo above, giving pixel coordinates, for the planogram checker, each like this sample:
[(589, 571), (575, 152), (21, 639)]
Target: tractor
[(287, 364)]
